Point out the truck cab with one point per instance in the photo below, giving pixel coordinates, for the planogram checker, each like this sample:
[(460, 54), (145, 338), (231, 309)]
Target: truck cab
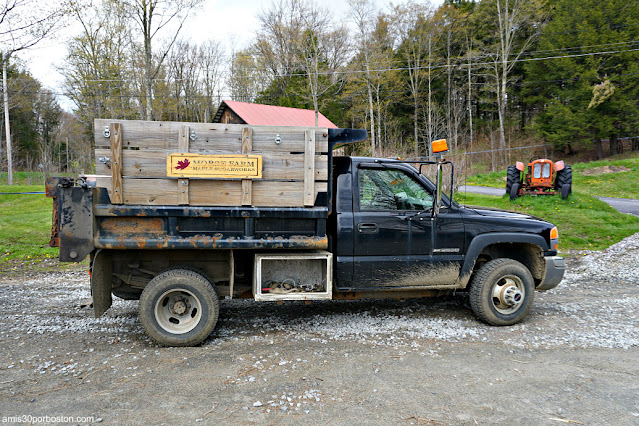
[(391, 237)]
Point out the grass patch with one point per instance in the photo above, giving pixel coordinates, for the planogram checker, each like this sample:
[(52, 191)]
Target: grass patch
[(621, 184), (25, 225), (30, 178), (584, 222), (492, 179)]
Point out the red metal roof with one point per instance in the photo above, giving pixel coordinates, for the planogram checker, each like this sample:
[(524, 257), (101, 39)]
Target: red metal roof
[(269, 115)]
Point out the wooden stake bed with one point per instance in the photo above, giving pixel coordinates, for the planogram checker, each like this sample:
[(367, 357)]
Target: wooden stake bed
[(148, 163)]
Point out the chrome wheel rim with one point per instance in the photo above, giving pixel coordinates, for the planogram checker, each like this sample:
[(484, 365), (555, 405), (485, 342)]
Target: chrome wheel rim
[(508, 294), (178, 311)]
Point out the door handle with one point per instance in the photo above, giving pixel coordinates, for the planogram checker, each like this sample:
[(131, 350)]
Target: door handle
[(367, 227)]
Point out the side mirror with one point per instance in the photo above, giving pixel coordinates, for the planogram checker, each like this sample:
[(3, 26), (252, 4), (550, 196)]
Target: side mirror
[(438, 148)]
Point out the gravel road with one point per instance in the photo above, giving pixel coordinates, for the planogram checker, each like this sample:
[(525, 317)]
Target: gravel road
[(425, 361)]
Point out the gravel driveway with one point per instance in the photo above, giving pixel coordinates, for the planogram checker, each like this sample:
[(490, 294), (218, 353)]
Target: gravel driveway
[(425, 361)]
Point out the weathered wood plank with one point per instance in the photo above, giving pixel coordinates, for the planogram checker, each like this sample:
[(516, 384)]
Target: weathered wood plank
[(211, 193), (247, 184), (309, 171), (247, 192), (183, 184), (152, 164), (183, 192), (211, 136), (183, 139), (247, 140), (116, 162)]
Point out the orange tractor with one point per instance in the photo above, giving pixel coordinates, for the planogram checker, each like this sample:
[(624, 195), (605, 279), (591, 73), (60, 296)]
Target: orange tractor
[(541, 177)]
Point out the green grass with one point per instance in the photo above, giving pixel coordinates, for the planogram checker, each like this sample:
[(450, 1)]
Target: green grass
[(25, 225), (492, 179), (29, 178), (619, 185), (584, 222)]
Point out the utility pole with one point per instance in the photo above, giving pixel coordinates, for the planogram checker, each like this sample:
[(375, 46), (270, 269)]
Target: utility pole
[(5, 64)]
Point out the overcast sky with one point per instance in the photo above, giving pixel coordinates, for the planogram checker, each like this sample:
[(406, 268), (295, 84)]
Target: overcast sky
[(219, 20)]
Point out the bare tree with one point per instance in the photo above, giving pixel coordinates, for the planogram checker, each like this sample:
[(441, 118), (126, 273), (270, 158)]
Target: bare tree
[(211, 61), (152, 18), (415, 38), (244, 79), (516, 21), (322, 51), (363, 12), (23, 24), (298, 36), (98, 66)]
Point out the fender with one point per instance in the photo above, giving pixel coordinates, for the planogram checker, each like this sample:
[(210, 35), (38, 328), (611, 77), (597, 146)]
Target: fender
[(480, 242)]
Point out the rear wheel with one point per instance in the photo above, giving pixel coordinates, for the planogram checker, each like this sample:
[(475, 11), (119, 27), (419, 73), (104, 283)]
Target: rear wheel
[(565, 191), (564, 177), (512, 176), (179, 307), (502, 292), (514, 191)]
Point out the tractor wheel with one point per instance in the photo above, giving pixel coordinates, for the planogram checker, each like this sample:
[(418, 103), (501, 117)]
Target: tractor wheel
[(564, 177), (565, 191), (512, 176), (514, 191)]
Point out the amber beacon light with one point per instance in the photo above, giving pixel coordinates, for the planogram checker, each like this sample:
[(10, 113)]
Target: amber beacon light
[(439, 146)]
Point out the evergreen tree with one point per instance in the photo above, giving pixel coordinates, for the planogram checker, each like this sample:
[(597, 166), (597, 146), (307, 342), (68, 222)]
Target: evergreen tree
[(583, 93)]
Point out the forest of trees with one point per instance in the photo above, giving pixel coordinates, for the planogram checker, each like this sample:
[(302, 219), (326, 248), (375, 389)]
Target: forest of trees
[(488, 75)]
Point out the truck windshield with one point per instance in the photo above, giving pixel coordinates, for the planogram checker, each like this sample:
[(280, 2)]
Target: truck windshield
[(391, 189)]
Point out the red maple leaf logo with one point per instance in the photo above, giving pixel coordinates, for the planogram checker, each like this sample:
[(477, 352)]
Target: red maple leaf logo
[(182, 164)]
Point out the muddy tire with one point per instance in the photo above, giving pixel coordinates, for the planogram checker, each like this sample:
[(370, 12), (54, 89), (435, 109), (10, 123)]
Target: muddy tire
[(565, 191), (502, 292), (514, 192), (512, 176), (179, 307)]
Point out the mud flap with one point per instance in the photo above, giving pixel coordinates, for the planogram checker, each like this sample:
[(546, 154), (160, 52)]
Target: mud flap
[(75, 216), (101, 281)]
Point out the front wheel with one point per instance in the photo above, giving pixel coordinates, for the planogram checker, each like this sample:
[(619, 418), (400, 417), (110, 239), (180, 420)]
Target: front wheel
[(514, 192), (502, 292), (179, 307)]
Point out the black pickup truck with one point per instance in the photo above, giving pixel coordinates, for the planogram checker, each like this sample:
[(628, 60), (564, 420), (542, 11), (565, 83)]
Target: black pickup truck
[(382, 230)]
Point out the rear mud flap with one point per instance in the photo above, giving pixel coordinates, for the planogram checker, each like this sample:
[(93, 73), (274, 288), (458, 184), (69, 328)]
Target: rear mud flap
[(101, 281)]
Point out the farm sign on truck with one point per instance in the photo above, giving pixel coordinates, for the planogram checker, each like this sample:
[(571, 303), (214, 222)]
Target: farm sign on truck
[(183, 214)]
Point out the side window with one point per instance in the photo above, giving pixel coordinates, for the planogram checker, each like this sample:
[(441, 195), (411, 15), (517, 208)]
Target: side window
[(389, 189)]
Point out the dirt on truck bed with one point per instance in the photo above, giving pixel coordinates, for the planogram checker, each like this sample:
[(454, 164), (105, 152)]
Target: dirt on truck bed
[(428, 361)]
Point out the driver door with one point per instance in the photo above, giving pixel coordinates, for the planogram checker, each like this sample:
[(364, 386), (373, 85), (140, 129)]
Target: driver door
[(393, 229)]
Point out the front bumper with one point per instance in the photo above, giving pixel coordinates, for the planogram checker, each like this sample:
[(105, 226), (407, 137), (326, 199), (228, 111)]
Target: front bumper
[(555, 269)]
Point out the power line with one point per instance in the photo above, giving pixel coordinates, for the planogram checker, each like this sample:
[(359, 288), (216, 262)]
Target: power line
[(389, 69)]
